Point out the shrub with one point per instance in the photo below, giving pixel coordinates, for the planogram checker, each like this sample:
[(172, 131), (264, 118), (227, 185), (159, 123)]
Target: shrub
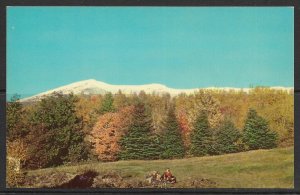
[(14, 178)]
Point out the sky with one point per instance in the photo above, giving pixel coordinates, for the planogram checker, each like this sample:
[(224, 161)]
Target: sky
[(180, 47)]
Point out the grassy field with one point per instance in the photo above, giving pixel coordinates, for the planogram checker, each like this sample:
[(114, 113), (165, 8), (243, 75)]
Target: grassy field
[(254, 169)]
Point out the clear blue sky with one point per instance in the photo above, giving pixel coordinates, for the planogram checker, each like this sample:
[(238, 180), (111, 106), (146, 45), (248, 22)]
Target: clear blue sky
[(186, 47)]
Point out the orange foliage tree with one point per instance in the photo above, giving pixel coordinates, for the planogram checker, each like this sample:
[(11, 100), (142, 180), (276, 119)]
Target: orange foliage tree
[(107, 132)]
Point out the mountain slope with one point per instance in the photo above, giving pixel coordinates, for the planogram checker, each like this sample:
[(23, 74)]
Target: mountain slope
[(92, 86)]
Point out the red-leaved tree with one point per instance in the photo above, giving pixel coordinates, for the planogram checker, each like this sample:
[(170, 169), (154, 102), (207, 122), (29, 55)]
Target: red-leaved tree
[(185, 127)]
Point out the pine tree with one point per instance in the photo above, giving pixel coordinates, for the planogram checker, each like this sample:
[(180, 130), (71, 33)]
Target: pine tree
[(139, 142), (227, 137), (201, 136), (257, 134), (172, 143), (107, 104)]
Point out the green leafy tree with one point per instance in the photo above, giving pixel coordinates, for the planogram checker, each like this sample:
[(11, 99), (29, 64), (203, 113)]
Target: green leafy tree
[(227, 138), (257, 134), (107, 104), (139, 142), (201, 136), (172, 143), (56, 135), (41, 152), (15, 119)]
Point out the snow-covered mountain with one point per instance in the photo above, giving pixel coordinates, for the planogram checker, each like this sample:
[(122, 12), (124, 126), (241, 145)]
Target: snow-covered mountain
[(92, 86)]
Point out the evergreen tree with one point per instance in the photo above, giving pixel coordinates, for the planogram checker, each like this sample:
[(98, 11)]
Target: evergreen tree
[(172, 143), (56, 134), (201, 136), (227, 137), (257, 134), (107, 104), (139, 142)]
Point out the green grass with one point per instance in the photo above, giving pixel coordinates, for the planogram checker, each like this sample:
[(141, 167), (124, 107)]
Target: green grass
[(254, 169)]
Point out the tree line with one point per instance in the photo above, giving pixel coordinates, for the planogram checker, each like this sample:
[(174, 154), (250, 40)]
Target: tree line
[(63, 129)]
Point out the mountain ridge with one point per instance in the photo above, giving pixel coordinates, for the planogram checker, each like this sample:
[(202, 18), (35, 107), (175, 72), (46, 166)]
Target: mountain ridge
[(92, 86)]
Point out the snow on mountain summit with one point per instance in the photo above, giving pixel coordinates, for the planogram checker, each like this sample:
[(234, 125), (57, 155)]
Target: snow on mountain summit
[(92, 86)]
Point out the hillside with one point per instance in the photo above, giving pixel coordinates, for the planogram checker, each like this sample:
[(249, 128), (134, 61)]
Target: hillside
[(91, 86), (254, 169)]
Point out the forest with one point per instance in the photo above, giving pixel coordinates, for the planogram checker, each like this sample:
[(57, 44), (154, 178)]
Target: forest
[(69, 129)]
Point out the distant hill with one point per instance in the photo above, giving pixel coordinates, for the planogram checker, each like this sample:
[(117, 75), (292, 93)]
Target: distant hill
[(92, 86)]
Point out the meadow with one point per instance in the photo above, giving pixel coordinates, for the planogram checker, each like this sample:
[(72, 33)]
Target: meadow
[(252, 169)]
